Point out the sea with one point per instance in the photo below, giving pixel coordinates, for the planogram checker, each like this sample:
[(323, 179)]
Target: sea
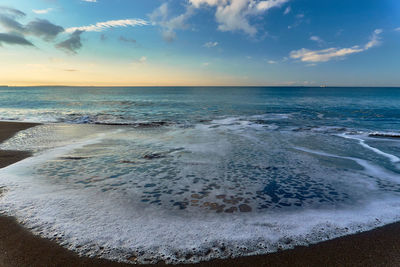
[(188, 174)]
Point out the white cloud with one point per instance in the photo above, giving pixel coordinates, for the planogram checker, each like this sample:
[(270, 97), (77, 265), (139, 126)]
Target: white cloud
[(324, 55), (287, 10), (375, 39), (197, 3), (265, 5), (141, 60), (210, 44), (91, 1), (101, 26), (397, 29), (317, 39), (272, 62), (161, 17), (234, 15), (42, 11)]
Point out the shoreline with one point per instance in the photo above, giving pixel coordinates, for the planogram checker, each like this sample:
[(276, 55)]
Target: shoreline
[(19, 247)]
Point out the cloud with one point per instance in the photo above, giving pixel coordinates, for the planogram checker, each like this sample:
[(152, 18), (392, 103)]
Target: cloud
[(265, 5), (375, 39), (234, 15), (91, 1), (13, 39), (72, 44), (272, 62), (127, 40), (39, 27), (141, 60), (210, 44), (41, 11), (11, 11), (287, 10), (397, 29), (48, 31), (101, 26), (317, 40), (10, 24), (169, 25), (44, 29), (324, 55)]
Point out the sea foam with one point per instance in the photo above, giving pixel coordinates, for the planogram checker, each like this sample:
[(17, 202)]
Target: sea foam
[(100, 195)]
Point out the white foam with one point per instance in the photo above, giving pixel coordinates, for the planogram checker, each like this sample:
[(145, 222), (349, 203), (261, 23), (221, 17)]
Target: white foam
[(385, 134), (28, 115), (272, 116), (369, 167), (240, 123), (391, 157), (116, 229), (115, 225)]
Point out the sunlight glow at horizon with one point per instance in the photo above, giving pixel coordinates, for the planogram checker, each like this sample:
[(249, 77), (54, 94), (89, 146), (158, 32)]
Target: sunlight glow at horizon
[(199, 42)]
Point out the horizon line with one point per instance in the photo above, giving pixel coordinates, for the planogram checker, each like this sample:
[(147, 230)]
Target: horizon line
[(169, 86)]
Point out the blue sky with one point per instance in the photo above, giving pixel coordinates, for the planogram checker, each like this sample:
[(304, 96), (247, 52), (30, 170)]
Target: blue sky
[(200, 42)]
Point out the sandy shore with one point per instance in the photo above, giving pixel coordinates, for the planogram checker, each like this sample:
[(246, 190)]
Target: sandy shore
[(19, 247)]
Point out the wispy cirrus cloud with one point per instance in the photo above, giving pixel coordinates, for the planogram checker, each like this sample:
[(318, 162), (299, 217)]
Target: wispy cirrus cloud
[(90, 1), (287, 10), (375, 39), (101, 26), (41, 11), (141, 60), (317, 39), (324, 55), (210, 44)]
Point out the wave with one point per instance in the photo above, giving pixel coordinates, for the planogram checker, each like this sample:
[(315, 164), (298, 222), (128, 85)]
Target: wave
[(117, 224), (369, 168), (111, 227), (361, 141), (384, 134)]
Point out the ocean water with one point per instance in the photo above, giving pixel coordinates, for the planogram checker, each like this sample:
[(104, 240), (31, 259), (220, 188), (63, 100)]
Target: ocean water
[(185, 174)]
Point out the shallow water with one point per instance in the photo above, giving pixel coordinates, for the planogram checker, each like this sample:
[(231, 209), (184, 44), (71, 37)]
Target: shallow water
[(189, 174)]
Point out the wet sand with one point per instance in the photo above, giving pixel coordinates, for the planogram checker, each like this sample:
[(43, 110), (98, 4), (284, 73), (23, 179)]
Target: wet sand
[(19, 247)]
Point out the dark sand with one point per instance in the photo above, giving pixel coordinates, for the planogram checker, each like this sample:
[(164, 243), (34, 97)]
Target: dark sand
[(19, 247)]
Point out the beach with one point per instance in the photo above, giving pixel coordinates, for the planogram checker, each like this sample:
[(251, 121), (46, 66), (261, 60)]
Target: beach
[(19, 247), (199, 133)]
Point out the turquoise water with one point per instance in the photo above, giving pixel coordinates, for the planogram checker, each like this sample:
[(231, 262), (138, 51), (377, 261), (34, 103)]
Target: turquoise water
[(187, 174), (363, 108)]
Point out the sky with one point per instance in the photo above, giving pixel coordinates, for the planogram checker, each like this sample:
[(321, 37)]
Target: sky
[(200, 42)]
